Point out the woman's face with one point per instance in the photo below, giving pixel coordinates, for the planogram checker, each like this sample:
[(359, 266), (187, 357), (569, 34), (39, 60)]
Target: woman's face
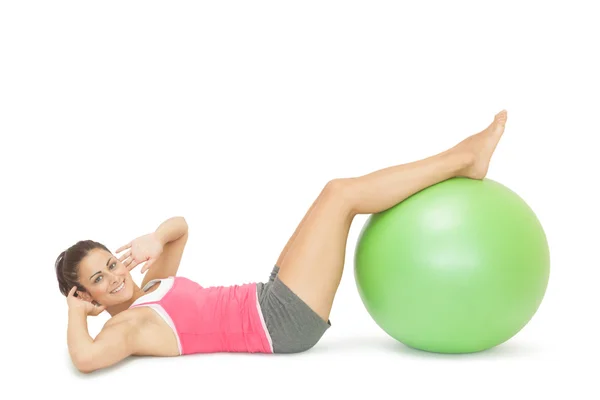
[(105, 278)]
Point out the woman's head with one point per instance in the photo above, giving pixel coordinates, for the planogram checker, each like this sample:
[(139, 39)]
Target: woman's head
[(99, 276)]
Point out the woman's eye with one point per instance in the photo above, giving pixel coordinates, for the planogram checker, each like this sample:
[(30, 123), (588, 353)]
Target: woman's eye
[(113, 265), (97, 279)]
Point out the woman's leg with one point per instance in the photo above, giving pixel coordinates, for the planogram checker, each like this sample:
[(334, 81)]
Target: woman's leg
[(292, 238), (312, 261)]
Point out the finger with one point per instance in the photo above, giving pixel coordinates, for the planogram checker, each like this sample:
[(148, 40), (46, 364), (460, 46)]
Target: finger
[(72, 291), (148, 264), (129, 261), (125, 246), (132, 265), (99, 309), (124, 256), (126, 261)]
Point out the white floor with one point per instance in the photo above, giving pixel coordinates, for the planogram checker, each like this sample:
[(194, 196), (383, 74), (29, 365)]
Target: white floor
[(547, 359)]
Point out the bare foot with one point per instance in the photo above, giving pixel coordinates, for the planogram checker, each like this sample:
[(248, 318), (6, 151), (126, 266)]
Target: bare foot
[(481, 146)]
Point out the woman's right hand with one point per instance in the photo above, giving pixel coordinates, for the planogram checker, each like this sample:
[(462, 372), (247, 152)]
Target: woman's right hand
[(77, 303)]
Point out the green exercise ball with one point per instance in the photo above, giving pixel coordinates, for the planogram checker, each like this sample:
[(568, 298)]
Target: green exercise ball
[(459, 267)]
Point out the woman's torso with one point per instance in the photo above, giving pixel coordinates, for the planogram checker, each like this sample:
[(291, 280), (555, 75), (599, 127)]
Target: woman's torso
[(177, 316)]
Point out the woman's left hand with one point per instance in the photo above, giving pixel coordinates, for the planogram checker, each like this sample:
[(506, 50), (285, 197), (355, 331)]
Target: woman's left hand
[(146, 248)]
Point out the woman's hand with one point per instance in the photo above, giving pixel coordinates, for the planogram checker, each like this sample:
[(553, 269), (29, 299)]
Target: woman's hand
[(146, 248), (77, 303)]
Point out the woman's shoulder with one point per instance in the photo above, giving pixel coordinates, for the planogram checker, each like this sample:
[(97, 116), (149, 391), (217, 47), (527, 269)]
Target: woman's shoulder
[(130, 316)]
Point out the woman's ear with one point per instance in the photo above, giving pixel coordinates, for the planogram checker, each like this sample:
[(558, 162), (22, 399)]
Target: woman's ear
[(84, 296)]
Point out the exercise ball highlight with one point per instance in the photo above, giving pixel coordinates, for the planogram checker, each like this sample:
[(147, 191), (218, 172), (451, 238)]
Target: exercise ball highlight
[(459, 267)]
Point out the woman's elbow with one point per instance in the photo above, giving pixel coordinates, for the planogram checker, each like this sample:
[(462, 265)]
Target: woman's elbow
[(180, 223), (84, 364), (86, 370), (184, 223)]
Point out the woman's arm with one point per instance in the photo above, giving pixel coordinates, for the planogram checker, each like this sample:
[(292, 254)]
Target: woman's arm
[(113, 344), (171, 230), (173, 234)]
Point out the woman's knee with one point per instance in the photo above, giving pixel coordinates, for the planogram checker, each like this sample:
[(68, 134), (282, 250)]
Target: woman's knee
[(339, 190)]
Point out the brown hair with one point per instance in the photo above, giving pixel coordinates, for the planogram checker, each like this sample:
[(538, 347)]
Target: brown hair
[(67, 264)]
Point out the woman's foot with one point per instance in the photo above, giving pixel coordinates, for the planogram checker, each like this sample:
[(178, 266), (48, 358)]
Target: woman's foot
[(481, 146)]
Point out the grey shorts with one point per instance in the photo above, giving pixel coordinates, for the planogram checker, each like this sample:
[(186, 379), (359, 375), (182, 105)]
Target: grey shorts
[(294, 326)]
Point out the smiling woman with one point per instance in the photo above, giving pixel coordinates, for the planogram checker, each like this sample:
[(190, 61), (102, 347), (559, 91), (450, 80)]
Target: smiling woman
[(168, 315), (171, 315)]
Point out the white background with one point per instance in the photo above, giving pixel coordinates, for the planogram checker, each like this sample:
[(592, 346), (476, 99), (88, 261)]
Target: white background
[(117, 115)]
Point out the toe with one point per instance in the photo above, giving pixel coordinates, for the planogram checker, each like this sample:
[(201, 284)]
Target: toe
[(501, 116)]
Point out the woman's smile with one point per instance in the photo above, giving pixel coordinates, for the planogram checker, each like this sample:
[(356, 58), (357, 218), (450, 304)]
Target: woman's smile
[(118, 288)]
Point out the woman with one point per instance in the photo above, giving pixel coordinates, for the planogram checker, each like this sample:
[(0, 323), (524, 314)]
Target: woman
[(171, 315)]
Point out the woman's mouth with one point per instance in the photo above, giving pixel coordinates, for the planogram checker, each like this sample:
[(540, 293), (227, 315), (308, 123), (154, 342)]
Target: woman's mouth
[(119, 288)]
